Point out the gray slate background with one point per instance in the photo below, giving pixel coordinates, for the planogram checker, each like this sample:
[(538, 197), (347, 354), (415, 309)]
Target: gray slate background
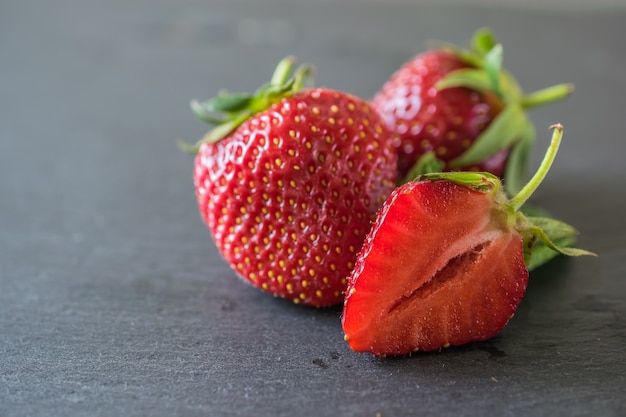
[(113, 298)]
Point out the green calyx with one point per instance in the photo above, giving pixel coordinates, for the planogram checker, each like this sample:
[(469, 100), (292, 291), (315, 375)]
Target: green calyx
[(511, 128), (229, 110), (543, 237)]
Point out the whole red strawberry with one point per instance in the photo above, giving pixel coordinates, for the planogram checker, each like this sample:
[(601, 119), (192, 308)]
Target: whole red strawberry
[(456, 109), (446, 263), (289, 181)]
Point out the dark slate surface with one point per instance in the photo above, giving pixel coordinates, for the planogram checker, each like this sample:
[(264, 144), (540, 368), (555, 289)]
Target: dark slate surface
[(113, 298)]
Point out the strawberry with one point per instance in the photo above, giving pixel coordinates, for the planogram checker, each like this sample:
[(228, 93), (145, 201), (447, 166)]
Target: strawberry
[(289, 181), (455, 109), (446, 262)]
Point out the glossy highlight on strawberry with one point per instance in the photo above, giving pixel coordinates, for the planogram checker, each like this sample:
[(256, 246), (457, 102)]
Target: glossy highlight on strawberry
[(446, 262)]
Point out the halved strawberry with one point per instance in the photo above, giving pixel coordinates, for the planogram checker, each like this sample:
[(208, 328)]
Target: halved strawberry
[(457, 109), (289, 181), (445, 262)]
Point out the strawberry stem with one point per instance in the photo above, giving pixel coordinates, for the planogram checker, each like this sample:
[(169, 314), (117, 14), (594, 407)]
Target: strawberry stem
[(547, 95), (518, 201), (228, 111)]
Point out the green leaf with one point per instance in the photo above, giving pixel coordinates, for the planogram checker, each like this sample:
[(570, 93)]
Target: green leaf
[(203, 114), (574, 251), (220, 131), (554, 229), (227, 111), (227, 103), (187, 147), (483, 41), (511, 90), (547, 95), (493, 67), (541, 234), (303, 77), (541, 254), (275, 92), (217, 133), (545, 238), (503, 131), (283, 71), (427, 163), (516, 168), (476, 79), (481, 181)]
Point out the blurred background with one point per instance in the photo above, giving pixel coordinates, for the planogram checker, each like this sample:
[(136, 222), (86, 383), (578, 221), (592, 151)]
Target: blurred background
[(113, 298)]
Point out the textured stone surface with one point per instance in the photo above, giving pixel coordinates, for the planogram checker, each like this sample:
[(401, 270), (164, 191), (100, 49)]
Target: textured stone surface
[(113, 298)]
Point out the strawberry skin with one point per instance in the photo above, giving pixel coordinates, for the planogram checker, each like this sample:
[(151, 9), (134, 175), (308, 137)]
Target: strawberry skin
[(456, 109), (446, 122), (436, 270), (289, 195)]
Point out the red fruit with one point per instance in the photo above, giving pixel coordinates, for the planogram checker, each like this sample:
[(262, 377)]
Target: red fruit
[(461, 109), (290, 192), (444, 263), (444, 122)]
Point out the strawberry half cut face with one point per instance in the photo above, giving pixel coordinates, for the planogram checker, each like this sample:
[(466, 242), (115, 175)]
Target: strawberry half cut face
[(440, 268)]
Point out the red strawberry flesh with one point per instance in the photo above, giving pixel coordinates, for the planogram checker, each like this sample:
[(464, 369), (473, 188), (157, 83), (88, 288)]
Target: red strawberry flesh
[(426, 272)]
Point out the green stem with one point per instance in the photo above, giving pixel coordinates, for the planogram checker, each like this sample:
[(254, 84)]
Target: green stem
[(518, 201), (547, 95), (229, 111)]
